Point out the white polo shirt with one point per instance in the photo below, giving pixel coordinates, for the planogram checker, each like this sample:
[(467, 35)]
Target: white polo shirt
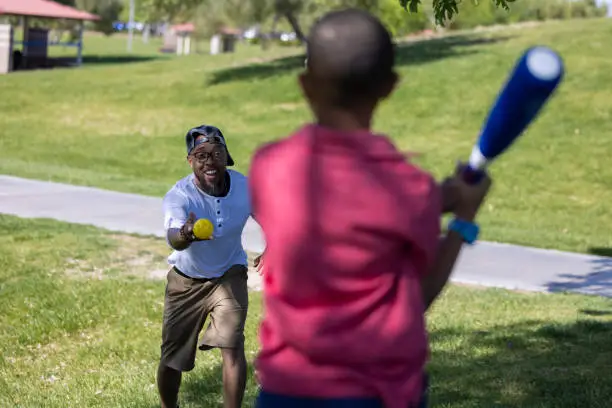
[(229, 214)]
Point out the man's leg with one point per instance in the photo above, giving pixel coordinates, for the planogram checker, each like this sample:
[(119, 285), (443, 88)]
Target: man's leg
[(226, 331), (234, 376), (185, 311), (168, 384)]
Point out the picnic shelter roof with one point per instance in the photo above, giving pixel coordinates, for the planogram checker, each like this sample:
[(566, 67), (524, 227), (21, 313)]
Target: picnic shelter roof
[(43, 9)]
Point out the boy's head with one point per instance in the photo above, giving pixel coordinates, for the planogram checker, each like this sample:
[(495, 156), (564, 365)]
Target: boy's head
[(350, 58)]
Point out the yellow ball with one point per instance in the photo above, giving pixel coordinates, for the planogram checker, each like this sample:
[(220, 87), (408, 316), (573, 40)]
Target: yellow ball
[(203, 228)]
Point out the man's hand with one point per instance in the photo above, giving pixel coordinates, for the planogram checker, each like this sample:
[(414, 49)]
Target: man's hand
[(187, 230), (181, 238), (258, 263)]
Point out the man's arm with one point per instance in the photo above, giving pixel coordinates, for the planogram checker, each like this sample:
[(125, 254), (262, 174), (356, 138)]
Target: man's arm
[(254, 186), (176, 241), (180, 238), (179, 235)]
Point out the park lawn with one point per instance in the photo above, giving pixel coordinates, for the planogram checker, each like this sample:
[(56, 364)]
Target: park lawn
[(80, 327), (121, 126)]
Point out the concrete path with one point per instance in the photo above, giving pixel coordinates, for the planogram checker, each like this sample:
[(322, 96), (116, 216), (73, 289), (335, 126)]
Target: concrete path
[(488, 264)]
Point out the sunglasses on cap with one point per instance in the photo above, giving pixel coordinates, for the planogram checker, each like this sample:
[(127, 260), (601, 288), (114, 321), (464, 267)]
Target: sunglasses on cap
[(199, 139), (203, 134)]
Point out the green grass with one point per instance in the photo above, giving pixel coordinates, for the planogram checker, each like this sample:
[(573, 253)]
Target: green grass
[(81, 323), (121, 126)]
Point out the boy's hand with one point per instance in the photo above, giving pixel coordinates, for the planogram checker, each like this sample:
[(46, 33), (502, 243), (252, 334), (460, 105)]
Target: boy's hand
[(466, 198), (451, 194), (258, 263)]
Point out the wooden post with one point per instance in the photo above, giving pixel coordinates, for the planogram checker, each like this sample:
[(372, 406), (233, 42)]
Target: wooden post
[(187, 44), (24, 48), (179, 44)]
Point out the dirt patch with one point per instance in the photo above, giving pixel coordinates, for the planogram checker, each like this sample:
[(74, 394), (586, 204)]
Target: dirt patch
[(139, 257), (135, 256), (288, 107), (258, 60), (440, 32)]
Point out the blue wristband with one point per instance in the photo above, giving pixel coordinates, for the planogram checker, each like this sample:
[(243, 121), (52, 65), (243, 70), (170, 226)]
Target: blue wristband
[(468, 230)]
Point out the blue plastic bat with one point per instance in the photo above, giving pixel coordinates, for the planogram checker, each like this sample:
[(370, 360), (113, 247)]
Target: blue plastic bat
[(532, 82)]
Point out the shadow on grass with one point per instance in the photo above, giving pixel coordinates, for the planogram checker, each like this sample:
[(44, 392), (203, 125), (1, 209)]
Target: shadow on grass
[(202, 389), (206, 390), (601, 251), (533, 364), (409, 53), (593, 312), (33, 64), (117, 59)]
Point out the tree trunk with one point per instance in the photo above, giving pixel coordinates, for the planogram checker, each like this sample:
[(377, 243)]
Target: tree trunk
[(296, 27), (275, 22), (264, 39), (146, 32)]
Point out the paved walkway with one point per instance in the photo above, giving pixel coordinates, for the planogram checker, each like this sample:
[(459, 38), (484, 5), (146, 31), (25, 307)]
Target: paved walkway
[(488, 264)]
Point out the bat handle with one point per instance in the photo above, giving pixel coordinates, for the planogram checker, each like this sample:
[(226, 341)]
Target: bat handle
[(471, 175), (475, 170)]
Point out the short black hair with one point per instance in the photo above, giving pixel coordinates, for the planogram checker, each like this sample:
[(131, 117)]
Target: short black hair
[(353, 51)]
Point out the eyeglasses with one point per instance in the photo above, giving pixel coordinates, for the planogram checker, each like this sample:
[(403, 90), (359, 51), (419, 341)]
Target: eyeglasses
[(217, 155)]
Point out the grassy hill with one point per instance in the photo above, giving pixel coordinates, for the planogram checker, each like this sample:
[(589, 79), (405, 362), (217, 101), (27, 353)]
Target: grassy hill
[(121, 126)]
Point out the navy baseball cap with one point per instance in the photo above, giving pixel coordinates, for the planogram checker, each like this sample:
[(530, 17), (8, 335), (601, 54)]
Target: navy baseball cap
[(205, 133)]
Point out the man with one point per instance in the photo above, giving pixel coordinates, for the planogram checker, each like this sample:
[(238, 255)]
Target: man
[(208, 277), (353, 255)]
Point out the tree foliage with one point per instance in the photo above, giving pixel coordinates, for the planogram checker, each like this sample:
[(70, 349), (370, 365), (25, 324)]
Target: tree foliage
[(444, 10), (400, 16), (259, 10), (107, 10), (154, 10)]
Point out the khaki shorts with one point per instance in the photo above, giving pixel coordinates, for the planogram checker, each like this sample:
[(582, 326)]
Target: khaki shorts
[(187, 304)]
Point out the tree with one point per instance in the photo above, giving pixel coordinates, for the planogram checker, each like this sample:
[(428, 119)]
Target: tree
[(290, 9), (445, 10), (169, 10), (108, 11)]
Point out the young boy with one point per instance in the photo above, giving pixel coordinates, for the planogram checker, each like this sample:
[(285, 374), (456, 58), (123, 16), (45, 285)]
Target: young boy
[(353, 251)]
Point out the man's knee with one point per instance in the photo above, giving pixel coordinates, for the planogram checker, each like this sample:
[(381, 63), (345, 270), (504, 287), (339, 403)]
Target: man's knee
[(165, 370), (233, 356)]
